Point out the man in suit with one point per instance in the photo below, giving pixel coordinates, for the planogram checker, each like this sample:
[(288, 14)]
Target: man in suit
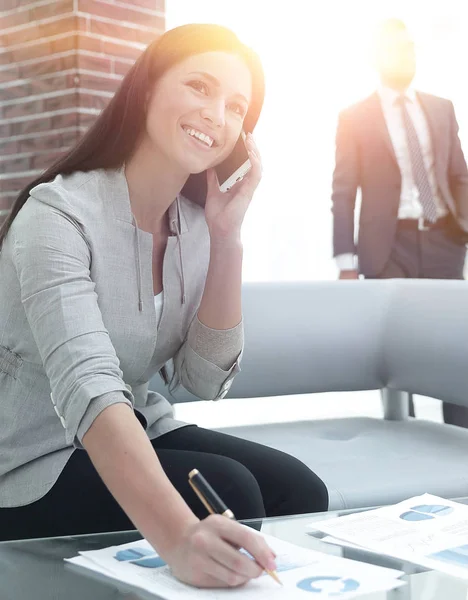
[(401, 148)]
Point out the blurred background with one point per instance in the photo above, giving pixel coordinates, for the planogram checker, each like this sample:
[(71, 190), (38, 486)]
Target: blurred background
[(317, 61), (61, 61)]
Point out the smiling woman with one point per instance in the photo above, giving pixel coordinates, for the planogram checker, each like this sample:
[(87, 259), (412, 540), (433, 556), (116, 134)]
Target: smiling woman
[(203, 111), (109, 272)]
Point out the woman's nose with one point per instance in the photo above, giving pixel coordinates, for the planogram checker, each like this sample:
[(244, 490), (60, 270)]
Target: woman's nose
[(215, 114)]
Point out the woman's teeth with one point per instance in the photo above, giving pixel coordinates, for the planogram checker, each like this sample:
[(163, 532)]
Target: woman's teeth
[(206, 139)]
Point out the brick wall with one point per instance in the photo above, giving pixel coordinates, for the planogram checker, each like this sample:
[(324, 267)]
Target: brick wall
[(60, 62)]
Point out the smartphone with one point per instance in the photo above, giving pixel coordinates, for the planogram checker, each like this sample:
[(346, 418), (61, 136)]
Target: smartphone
[(235, 167)]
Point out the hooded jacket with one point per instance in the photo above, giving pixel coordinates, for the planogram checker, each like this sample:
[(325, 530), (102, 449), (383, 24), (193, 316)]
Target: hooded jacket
[(78, 325)]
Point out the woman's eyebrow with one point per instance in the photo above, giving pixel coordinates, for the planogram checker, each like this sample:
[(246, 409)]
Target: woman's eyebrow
[(216, 83)]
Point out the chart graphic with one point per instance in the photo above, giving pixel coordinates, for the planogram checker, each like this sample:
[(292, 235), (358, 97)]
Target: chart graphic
[(328, 586), (424, 512), (454, 556), (142, 557)]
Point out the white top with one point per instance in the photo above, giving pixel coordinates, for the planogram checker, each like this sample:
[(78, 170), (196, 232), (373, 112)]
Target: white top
[(158, 305), (410, 206)]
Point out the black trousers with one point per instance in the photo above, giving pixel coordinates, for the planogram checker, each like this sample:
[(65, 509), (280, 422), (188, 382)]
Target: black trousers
[(437, 253), (252, 479)]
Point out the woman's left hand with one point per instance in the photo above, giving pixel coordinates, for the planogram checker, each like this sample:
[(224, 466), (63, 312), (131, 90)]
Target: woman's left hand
[(225, 211)]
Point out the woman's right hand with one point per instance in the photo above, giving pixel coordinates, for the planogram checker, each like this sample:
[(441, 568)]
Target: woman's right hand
[(207, 555)]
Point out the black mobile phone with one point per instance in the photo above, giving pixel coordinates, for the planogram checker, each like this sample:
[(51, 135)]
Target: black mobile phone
[(235, 167)]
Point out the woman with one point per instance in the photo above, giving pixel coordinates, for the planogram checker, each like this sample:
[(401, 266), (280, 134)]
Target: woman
[(109, 270)]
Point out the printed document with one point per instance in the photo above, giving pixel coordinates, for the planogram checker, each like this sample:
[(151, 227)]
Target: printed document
[(301, 571), (426, 530)]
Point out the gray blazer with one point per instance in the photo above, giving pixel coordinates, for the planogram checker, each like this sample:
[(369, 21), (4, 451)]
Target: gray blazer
[(365, 159), (78, 324)]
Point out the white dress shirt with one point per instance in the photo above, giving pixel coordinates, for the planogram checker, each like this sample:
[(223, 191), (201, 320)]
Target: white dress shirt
[(410, 206)]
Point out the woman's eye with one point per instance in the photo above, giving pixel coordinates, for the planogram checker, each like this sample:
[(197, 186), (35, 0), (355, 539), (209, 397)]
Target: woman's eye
[(237, 108), (200, 86)]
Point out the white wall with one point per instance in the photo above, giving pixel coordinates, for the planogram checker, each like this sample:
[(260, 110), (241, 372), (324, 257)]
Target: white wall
[(316, 62)]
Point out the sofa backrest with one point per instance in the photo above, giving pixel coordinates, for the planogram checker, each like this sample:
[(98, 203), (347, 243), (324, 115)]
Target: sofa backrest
[(303, 337)]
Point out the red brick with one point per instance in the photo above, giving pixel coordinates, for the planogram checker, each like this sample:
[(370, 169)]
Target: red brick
[(158, 5), (6, 58), (39, 31), (94, 82), (21, 109), (56, 7), (50, 10), (41, 48), (5, 131), (14, 184), (45, 160), (51, 84), (36, 144), (69, 100), (31, 126), (131, 14), (10, 4), (67, 120), (82, 24), (94, 63), (110, 48), (121, 32), (8, 147), (15, 165), (86, 120), (89, 44), (48, 65), (90, 101), (15, 91), (9, 75), (64, 44), (121, 50), (67, 140), (6, 202)]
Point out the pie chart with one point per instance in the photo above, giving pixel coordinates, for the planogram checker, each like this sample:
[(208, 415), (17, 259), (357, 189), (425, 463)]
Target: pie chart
[(328, 585), (425, 512)]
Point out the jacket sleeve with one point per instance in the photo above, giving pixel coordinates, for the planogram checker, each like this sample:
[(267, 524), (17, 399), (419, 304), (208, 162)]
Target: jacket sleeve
[(458, 172), (52, 260), (208, 361), (344, 187)]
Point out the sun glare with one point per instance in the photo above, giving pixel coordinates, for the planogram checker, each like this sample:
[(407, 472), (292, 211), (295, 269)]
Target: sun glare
[(317, 61)]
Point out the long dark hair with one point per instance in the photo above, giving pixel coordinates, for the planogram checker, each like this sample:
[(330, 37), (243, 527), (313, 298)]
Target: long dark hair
[(111, 140)]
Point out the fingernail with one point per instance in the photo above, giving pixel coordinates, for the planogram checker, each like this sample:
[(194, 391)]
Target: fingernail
[(271, 564)]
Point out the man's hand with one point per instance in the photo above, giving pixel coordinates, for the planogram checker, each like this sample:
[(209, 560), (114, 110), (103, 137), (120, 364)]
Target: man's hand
[(349, 274)]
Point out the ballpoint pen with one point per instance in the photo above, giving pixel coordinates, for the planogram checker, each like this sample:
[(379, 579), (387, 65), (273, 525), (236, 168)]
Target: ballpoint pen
[(214, 504)]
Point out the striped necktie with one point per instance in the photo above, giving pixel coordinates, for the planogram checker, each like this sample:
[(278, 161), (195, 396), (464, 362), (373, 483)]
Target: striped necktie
[(421, 177)]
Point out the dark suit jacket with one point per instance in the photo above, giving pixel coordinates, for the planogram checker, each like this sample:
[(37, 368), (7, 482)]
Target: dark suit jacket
[(365, 159)]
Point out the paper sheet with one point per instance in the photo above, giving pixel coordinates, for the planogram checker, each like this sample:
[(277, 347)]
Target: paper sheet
[(426, 530), (300, 570)]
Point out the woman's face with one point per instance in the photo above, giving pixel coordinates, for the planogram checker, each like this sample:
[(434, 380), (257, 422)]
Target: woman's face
[(197, 109)]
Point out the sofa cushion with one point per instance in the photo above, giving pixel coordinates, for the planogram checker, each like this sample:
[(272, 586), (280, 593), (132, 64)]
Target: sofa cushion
[(370, 462)]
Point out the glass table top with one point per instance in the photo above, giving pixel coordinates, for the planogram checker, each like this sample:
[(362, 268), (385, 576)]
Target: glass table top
[(35, 569)]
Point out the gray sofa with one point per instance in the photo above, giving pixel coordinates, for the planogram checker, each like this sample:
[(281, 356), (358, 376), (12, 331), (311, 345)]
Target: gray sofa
[(409, 335)]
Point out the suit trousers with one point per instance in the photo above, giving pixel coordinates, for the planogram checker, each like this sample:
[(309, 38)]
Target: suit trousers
[(436, 253)]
